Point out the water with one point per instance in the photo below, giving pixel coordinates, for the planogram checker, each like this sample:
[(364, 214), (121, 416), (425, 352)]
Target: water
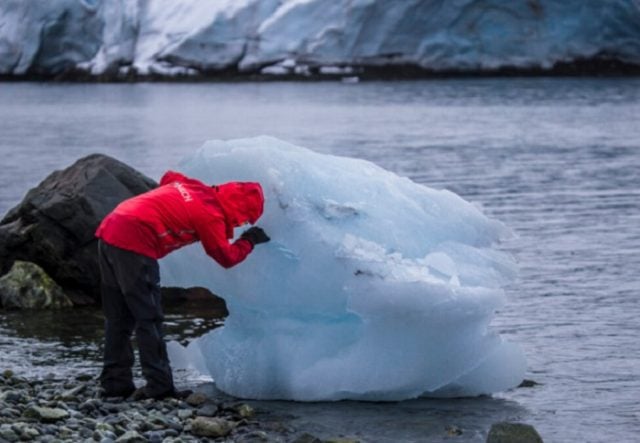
[(558, 160)]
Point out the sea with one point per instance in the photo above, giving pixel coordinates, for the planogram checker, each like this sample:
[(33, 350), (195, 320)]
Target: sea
[(555, 159)]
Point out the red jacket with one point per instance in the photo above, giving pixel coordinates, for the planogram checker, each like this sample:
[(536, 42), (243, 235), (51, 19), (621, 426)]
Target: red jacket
[(181, 211)]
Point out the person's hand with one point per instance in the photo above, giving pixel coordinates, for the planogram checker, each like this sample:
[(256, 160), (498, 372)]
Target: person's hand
[(255, 235)]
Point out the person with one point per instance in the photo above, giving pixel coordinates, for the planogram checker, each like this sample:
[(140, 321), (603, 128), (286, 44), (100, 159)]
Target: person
[(131, 239)]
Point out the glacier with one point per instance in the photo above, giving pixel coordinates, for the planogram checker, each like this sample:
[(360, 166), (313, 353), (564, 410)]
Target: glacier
[(373, 287), (300, 37)]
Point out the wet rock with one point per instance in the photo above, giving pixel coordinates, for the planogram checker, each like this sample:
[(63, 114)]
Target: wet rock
[(213, 427), (84, 377), (196, 399), (131, 437), (183, 414), (453, 431), (243, 410), (307, 438), (12, 396), (208, 410), (8, 434), (46, 415), (513, 433), (27, 286), (72, 394), (54, 225), (528, 383)]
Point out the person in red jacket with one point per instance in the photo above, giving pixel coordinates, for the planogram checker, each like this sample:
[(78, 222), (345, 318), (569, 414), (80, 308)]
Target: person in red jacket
[(133, 237)]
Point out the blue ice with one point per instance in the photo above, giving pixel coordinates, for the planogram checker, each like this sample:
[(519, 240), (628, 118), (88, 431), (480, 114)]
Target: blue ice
[(373, 287)]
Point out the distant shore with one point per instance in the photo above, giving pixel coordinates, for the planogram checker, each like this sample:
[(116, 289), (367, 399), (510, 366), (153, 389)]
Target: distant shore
[(594, 67)]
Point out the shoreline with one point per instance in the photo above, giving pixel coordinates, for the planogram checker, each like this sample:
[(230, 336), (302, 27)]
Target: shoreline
[(55, 410), (597, 67)]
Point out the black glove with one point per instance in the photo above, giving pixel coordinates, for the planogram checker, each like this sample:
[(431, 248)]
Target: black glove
[(255, 235)]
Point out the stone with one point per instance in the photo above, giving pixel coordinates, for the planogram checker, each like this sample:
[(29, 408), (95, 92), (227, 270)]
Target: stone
[(208, 410), (196, 399), (526, 383), (307, 438), (27, 286), (46, 415), (84, 377), (55, 223), (9, 435), (29, 433), (12, 396), (131, 437), (72, 394), (244, 410), (453, 431), (213, 427), (183, 414), (513, 433)]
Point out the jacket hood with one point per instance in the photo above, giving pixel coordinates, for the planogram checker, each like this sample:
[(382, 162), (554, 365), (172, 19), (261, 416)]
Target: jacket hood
[(241, 202)]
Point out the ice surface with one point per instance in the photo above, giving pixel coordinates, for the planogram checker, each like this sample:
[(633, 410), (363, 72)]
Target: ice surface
[(373, 287)]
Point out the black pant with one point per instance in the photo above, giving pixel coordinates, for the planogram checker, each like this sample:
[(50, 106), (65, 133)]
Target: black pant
[(131, 301)]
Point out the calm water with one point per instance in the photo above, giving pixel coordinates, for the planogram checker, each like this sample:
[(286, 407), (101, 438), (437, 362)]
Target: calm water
[(558, 160)]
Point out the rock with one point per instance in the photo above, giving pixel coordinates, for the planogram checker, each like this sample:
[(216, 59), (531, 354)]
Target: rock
[(12, 396), (29, 433), (8, 434), (27, 286), (197, 297), (183, 414), (528, 383), (72, 394), (513, 433), (244, 410), (46, 415), (453, 431), (131, 437), (84, 377), (307, 438), (211, 427), (196, 399), (208, 410), (55, 223)]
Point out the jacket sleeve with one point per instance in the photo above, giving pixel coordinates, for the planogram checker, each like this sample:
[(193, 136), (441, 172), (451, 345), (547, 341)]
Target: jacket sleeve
[(170, 177), (213, 237)]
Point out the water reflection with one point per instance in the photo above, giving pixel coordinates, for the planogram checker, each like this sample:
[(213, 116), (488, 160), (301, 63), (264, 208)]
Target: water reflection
[(466, 420), (69, 342)]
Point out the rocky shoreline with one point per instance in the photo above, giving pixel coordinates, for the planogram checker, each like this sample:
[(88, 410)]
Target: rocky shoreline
[(53, 410), (585, 67)]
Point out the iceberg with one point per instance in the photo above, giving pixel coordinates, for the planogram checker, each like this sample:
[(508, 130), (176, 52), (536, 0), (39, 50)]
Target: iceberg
[(301, 37), (373, 287)]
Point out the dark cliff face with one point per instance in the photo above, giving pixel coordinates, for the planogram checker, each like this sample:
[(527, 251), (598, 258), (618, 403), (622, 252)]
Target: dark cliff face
[(55, 223), (130, 39)]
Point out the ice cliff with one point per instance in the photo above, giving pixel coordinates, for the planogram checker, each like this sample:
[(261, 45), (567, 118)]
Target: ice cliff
[(373, 287), (170, 37)]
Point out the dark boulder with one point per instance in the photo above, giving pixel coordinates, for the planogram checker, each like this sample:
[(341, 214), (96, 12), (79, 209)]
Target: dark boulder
[(55, 223), (506, 432)]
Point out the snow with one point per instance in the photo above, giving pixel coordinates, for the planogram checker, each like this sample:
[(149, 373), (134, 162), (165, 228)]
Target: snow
[(373, 287), (248, 35)]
